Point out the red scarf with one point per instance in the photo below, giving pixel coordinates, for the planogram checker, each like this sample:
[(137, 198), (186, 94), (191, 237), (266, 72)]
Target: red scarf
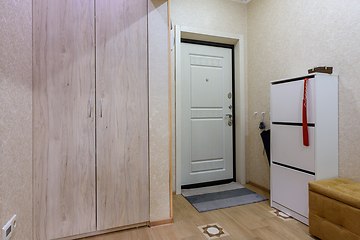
[(304, 116)]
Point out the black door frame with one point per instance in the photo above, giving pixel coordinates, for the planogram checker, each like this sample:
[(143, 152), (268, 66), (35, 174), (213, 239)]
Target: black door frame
[(232, 47)]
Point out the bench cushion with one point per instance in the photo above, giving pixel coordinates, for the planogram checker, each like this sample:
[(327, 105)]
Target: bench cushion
[(341, 189), (331, 219)]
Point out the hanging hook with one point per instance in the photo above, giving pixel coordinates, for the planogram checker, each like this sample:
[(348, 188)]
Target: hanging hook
[(262, 124)]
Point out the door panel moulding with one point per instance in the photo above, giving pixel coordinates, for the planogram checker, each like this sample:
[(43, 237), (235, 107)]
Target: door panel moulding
[(239, 64)]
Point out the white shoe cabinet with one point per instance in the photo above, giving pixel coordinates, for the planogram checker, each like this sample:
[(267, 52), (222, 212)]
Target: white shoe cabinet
[(292, 164)]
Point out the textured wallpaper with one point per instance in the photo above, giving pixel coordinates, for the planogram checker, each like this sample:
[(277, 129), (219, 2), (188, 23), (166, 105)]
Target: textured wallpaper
[(16, 116), (217, 15), (159, 110), (285, 39)]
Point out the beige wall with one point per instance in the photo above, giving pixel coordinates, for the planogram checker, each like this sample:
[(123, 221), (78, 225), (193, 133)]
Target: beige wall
[(285, 39), (217, 15), (159, 110), (16, 116)]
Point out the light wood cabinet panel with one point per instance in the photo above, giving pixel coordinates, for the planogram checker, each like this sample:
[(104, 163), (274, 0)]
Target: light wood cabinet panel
[(77, 85), (63, 131), (122, 117)]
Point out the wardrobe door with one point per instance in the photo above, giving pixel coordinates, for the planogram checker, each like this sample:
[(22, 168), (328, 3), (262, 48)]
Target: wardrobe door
[(63, 118), (122, 113)]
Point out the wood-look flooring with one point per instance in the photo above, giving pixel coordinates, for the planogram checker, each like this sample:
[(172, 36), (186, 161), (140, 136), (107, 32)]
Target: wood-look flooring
[(252, 221)]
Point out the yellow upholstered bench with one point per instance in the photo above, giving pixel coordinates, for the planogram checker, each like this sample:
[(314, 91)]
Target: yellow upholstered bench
[(334, 209)]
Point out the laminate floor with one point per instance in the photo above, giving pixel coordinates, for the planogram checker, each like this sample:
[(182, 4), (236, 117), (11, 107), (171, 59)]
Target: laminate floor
[(252, 221)]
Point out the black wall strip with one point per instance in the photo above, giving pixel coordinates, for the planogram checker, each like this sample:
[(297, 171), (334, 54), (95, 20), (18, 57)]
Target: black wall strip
[(294, 168), (293, 124), (292, 80), (212, 44)]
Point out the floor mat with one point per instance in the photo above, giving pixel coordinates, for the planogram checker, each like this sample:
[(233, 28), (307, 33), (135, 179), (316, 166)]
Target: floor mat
[(221, 196)]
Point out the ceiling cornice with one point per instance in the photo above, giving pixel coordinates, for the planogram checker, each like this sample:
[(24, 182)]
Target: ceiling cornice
[(241, 1)]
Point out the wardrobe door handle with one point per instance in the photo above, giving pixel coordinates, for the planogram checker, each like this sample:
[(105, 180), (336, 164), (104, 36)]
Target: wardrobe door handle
[(100, 107), (90, 108)]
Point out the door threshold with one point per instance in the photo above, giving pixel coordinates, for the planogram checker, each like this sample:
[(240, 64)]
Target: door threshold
[(207, 184)]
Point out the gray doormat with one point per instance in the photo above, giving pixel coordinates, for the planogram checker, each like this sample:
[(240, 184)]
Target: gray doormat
[(222, 196)]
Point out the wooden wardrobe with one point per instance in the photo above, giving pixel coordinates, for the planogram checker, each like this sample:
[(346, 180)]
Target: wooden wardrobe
[(90, 116)]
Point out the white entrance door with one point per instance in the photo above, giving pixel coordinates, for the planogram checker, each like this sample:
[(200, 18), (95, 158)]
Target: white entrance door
[(206, 109)]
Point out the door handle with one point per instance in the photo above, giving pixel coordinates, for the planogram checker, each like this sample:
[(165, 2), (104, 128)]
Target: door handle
[(100, 107), (90, 108), (229, 115)]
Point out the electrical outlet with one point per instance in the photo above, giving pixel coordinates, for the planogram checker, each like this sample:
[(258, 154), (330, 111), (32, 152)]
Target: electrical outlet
[(9, 228)]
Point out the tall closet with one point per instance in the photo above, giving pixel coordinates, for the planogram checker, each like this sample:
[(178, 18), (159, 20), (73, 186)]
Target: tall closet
[(90, 116)]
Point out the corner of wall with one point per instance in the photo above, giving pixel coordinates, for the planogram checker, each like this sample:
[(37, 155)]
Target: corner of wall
[(158, 110), (16, 116)]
